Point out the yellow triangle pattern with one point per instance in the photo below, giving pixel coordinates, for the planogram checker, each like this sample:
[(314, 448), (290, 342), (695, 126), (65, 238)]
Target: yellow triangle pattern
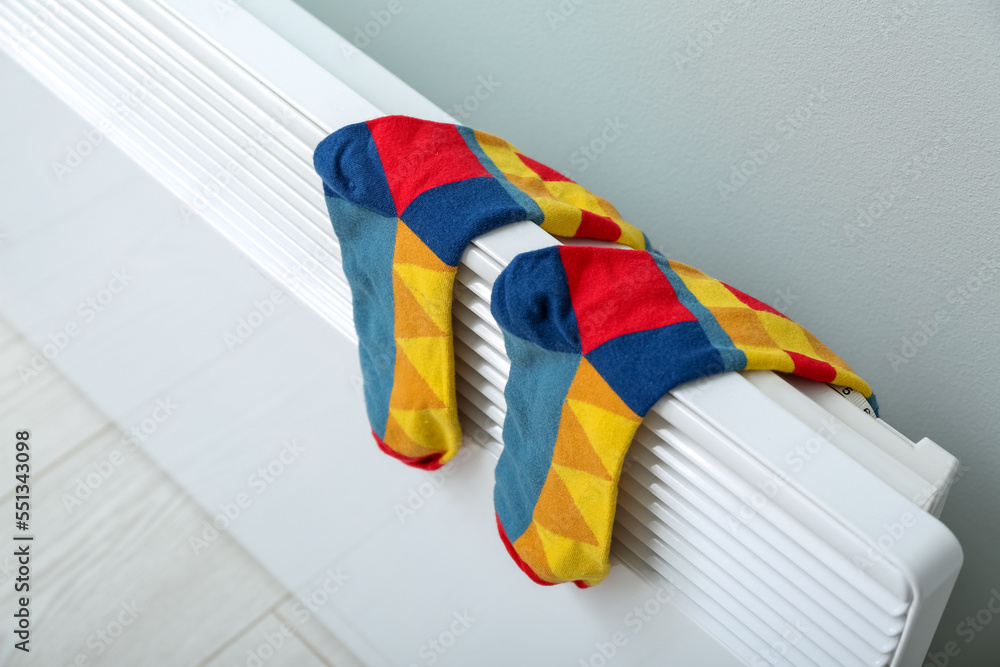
[(573, 449), (576, 195), (588, 386), (558, 512), (791, 335), (429, 426), (568, 558), (590, 491), (609, 433), (530, 549), (411, 318), (401, 442), (607, 429), (709, 292), (503, 155), (429, 287), (422, 423), (763, 336), (560, 219), (427, 354), (631, 236), (419, 394), (411, 250), (560, 200)]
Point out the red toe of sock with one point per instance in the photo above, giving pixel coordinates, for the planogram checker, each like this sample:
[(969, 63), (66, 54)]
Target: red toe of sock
[(429, 462), (517, 559)]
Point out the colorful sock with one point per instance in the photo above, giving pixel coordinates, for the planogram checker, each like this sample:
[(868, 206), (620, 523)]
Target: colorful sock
[(405, 197), (595, 337)]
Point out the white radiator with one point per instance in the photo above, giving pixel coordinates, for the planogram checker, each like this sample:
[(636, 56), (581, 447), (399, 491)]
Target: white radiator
[(791, 524), (796, 527)]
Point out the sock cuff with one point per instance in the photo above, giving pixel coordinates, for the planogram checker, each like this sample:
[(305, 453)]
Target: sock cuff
[(609, 304), (420, 171)]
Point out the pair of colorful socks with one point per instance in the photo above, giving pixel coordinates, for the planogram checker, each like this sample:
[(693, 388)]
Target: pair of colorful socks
[(595, 335), (406, 196)]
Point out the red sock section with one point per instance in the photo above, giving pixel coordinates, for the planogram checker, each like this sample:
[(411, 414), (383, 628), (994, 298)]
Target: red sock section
[(429, 462)]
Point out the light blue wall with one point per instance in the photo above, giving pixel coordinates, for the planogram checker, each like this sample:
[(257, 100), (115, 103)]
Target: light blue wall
[(897, 103)]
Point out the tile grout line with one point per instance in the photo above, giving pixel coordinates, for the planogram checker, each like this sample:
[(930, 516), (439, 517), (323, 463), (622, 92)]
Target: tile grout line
[(109, 427), (69, 453), (235, 636), (298, 635)]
